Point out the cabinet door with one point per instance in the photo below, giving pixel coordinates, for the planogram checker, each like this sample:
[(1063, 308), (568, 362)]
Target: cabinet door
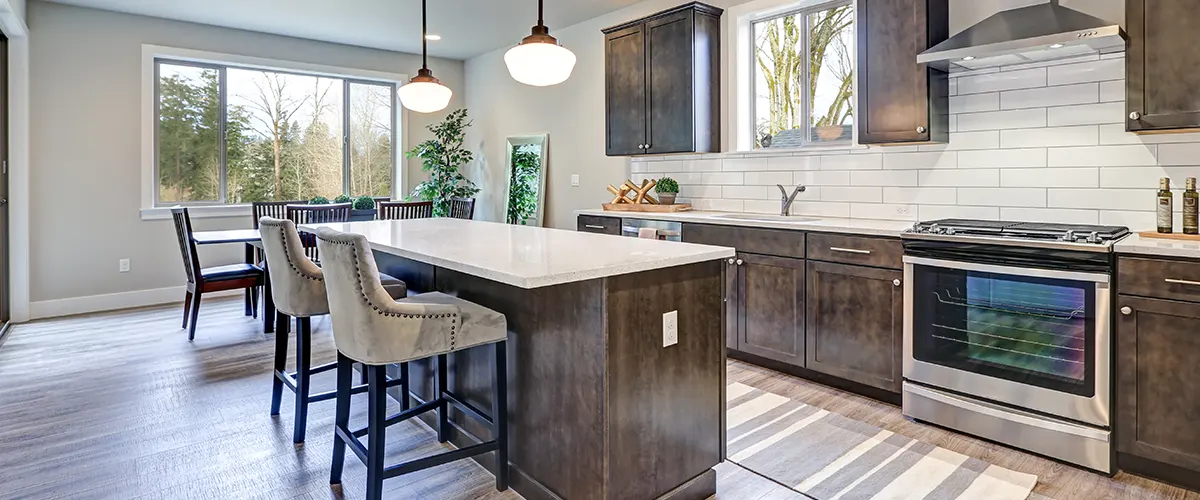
[(1161, 62), (625, 91), (855, 323), (730, 315), (771, 307), (898, 99), (670, 118), (1158, 345)]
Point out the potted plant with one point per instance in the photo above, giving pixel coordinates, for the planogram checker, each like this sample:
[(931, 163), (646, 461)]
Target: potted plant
[(342, 199), (441, 157), (666, 188), (362, 209), (318, 200)]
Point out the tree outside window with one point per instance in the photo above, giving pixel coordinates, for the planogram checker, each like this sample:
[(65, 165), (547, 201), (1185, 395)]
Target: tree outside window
[(804, 77)]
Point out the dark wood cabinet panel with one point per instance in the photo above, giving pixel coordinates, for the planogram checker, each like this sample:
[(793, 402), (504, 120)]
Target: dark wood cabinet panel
[(662, 90), (1160, 65), (900, 101), (855, 323), (779, 242), (732, 304), (1159, 278), (851, 249), (1158, 345), (597, 224), (771, 307)]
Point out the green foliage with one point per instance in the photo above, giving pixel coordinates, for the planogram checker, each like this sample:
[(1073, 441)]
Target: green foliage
[(319, 200), (441, 157), (364, 203), (341, 198), (666, 185), (525, 169)]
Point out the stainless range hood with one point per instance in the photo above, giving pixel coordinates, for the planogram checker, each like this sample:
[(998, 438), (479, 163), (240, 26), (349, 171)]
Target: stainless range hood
[(1042, 32)]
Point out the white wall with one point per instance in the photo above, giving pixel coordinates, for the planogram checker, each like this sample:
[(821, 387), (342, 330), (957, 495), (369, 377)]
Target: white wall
[(86, 122)]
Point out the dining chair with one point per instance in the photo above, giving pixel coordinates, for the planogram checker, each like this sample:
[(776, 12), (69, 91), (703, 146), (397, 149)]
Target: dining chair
[(201, 280), (273, 209), (302, 213), (394, 210), (462, 208)]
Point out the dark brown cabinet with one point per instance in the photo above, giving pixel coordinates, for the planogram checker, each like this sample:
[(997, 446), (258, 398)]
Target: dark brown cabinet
[(771, 307), (596, 224), (855, 323), (662, 83), (1160, 65), (900, 101)]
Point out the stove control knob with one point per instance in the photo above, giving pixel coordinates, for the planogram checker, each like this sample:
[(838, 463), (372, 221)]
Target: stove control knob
[(1069, 236), (1093, 237), (950, 230), (933, 228)]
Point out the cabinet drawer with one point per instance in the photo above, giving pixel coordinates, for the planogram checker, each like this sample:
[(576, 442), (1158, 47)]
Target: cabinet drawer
[(777, 242), (1165, 279), (876, 252), (596, 224)]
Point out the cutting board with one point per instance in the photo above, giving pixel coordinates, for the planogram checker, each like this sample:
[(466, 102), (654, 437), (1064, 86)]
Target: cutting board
[(646, 207), (1170, 236)]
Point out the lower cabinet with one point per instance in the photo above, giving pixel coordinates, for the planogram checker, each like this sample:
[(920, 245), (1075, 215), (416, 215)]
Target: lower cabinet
[(770, 307), (1158, 367), (855, 323)]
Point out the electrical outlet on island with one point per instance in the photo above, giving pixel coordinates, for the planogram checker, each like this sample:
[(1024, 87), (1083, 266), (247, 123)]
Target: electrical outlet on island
[(670, 328)]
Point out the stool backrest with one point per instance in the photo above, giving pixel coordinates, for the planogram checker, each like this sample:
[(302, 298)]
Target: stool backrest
[(187, 245), (462, 208), (297, 284), (392, 210)]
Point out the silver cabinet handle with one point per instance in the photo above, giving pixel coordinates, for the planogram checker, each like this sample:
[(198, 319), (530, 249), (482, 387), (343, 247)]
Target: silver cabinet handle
[(1126, 310), (921, 130), (896, 282), (1182, 282), (1135, 116), (850, 250), (647, 146), (593, 226), (740, 262), (641, 146), (730, 261)]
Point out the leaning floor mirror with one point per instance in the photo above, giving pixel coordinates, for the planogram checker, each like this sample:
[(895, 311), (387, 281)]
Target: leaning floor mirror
[(526, 179)]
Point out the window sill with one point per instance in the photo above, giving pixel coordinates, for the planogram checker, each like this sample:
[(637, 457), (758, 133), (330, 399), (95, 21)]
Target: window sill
[(833, 148), (198, 212)]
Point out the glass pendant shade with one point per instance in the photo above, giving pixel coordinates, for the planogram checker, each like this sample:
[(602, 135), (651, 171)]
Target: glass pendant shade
[(540, 63), (424, 93)]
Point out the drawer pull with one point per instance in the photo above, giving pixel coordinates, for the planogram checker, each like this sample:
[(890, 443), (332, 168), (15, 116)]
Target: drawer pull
[(593, 226), (853, 250), (1182, 282)]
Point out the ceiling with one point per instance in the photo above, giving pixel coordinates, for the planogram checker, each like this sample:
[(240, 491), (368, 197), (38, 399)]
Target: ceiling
[(468, 27)]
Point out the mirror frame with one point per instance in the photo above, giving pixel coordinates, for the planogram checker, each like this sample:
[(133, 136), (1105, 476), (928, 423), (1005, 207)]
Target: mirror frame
[(542, 140)]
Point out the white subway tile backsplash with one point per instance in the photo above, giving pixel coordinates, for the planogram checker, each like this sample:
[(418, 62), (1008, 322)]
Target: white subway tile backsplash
[(699, 191), (852, 194), (920, 195), (1060, 215), (792, 163), (883, 211), (883, 178), (720, 205), (1179, 154), (821, 178), (921, 160), (960, 141), (872, 161), (934, 212), (1085, 135), (974, 103), (749, 192), (767, 178), (707, 165), (1104, 156), (744, 164), (1112, 91), (959, 178), (1006, 80), (1133, 177), (1102, 199), (723, 178), (1050, 177), (819, 209), (1001, 120), (1003, 197), (1004, 158), (1083, 93), (761, 207), (1086, 114), (1115, 134), (1094, 71), (1136, 221)]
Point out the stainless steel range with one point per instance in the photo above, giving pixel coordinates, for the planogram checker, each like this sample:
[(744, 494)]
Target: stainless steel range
[(1007, 333)]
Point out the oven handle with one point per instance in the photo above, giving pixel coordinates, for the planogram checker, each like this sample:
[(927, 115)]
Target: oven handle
[(1007, 414), (1016, 271)]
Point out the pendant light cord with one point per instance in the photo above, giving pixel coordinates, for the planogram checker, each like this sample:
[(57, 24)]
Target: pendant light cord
[(424, 40), (539, 12)]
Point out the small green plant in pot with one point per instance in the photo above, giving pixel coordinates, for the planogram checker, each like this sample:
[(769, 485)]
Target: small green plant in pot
[(318, 200), (342, 199), (667, 188), (362, 209)]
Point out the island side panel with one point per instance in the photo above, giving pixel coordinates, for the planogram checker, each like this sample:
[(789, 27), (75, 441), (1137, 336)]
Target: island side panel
[(664, 404), (556, 382)]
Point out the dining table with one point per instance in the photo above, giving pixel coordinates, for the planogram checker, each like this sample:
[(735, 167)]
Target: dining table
[(253, 241)]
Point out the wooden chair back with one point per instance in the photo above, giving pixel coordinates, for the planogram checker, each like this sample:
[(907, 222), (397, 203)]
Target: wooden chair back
[(462, 208), (272, 209), (187, 245), (316, 214), (396, 210)]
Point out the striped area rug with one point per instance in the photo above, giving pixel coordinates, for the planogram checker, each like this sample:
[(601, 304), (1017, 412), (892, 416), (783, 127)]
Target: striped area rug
[(830, 457)]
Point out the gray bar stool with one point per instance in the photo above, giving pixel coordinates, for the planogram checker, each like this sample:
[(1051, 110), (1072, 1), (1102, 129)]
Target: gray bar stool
[(298, 287), (371, 328)]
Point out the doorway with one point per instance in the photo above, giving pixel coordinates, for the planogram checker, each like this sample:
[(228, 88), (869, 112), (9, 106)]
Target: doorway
[(5, 295)]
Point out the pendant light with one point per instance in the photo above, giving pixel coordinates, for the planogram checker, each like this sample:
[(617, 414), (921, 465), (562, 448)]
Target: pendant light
[(424, 93), (539, 60)]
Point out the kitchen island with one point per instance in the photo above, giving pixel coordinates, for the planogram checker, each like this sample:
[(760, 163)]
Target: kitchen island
[(598, 407)]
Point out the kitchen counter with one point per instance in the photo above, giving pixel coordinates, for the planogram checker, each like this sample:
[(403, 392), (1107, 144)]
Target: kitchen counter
[(522, 256), (1135, 244), (864, 227)]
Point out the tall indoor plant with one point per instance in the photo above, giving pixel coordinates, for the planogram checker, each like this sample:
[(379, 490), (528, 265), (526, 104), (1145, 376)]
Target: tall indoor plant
[(441, 158)]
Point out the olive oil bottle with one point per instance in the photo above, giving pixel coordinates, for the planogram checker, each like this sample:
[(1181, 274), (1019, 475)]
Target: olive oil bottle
[(1191, 200), (1165, 206)]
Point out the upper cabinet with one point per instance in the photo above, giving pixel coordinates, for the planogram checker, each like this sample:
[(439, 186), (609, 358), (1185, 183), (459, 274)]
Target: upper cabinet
[(900, 101), (662, 83), (1160, 65)]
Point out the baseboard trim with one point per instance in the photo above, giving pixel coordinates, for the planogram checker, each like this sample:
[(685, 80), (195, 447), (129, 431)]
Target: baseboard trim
[(114, 301)]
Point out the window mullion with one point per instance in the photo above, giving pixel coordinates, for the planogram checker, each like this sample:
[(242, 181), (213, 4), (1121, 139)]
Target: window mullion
[(222, 136), (347, 178), (806, 80)]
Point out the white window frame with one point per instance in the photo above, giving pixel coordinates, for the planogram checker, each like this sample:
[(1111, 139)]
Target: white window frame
[(151, 54)]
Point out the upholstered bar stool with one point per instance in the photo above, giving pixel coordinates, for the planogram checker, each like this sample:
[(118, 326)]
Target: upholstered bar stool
[(298, 287), (371, 328)]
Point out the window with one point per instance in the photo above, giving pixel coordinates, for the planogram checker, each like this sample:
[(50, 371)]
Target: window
[(803, 75), (235, 135)]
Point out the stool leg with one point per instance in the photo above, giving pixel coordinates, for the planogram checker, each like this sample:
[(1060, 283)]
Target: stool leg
[(376, 415), (281, 341), (195, 316), (341, 419), (362, 373), (404, 400), (439, 386), (303, 363), (500, 415), (187, 306)]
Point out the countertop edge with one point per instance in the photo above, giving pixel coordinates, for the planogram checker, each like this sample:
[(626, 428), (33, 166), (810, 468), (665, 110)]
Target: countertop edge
[(1135, 244), (840, 225)]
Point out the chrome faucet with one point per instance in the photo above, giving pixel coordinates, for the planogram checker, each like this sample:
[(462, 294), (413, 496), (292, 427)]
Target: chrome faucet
[(786, 201)]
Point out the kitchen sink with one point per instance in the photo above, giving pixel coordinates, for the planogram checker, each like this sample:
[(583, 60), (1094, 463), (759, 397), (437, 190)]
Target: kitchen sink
[(767, 218)]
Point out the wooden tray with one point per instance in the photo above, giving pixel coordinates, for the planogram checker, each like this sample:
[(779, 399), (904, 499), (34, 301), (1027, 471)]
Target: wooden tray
[(1170, 236), (645, 207)]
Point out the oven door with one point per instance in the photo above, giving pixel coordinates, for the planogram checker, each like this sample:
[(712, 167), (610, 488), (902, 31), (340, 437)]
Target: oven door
[(1033, 338)]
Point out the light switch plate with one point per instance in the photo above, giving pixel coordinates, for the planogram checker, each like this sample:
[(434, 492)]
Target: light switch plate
[(574, 180), (123, 265), (670, 328)]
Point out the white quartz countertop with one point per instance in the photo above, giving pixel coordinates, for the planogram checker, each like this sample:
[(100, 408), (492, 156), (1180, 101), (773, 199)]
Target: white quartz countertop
[(523, 256), (865, 227), (1136, 244)]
